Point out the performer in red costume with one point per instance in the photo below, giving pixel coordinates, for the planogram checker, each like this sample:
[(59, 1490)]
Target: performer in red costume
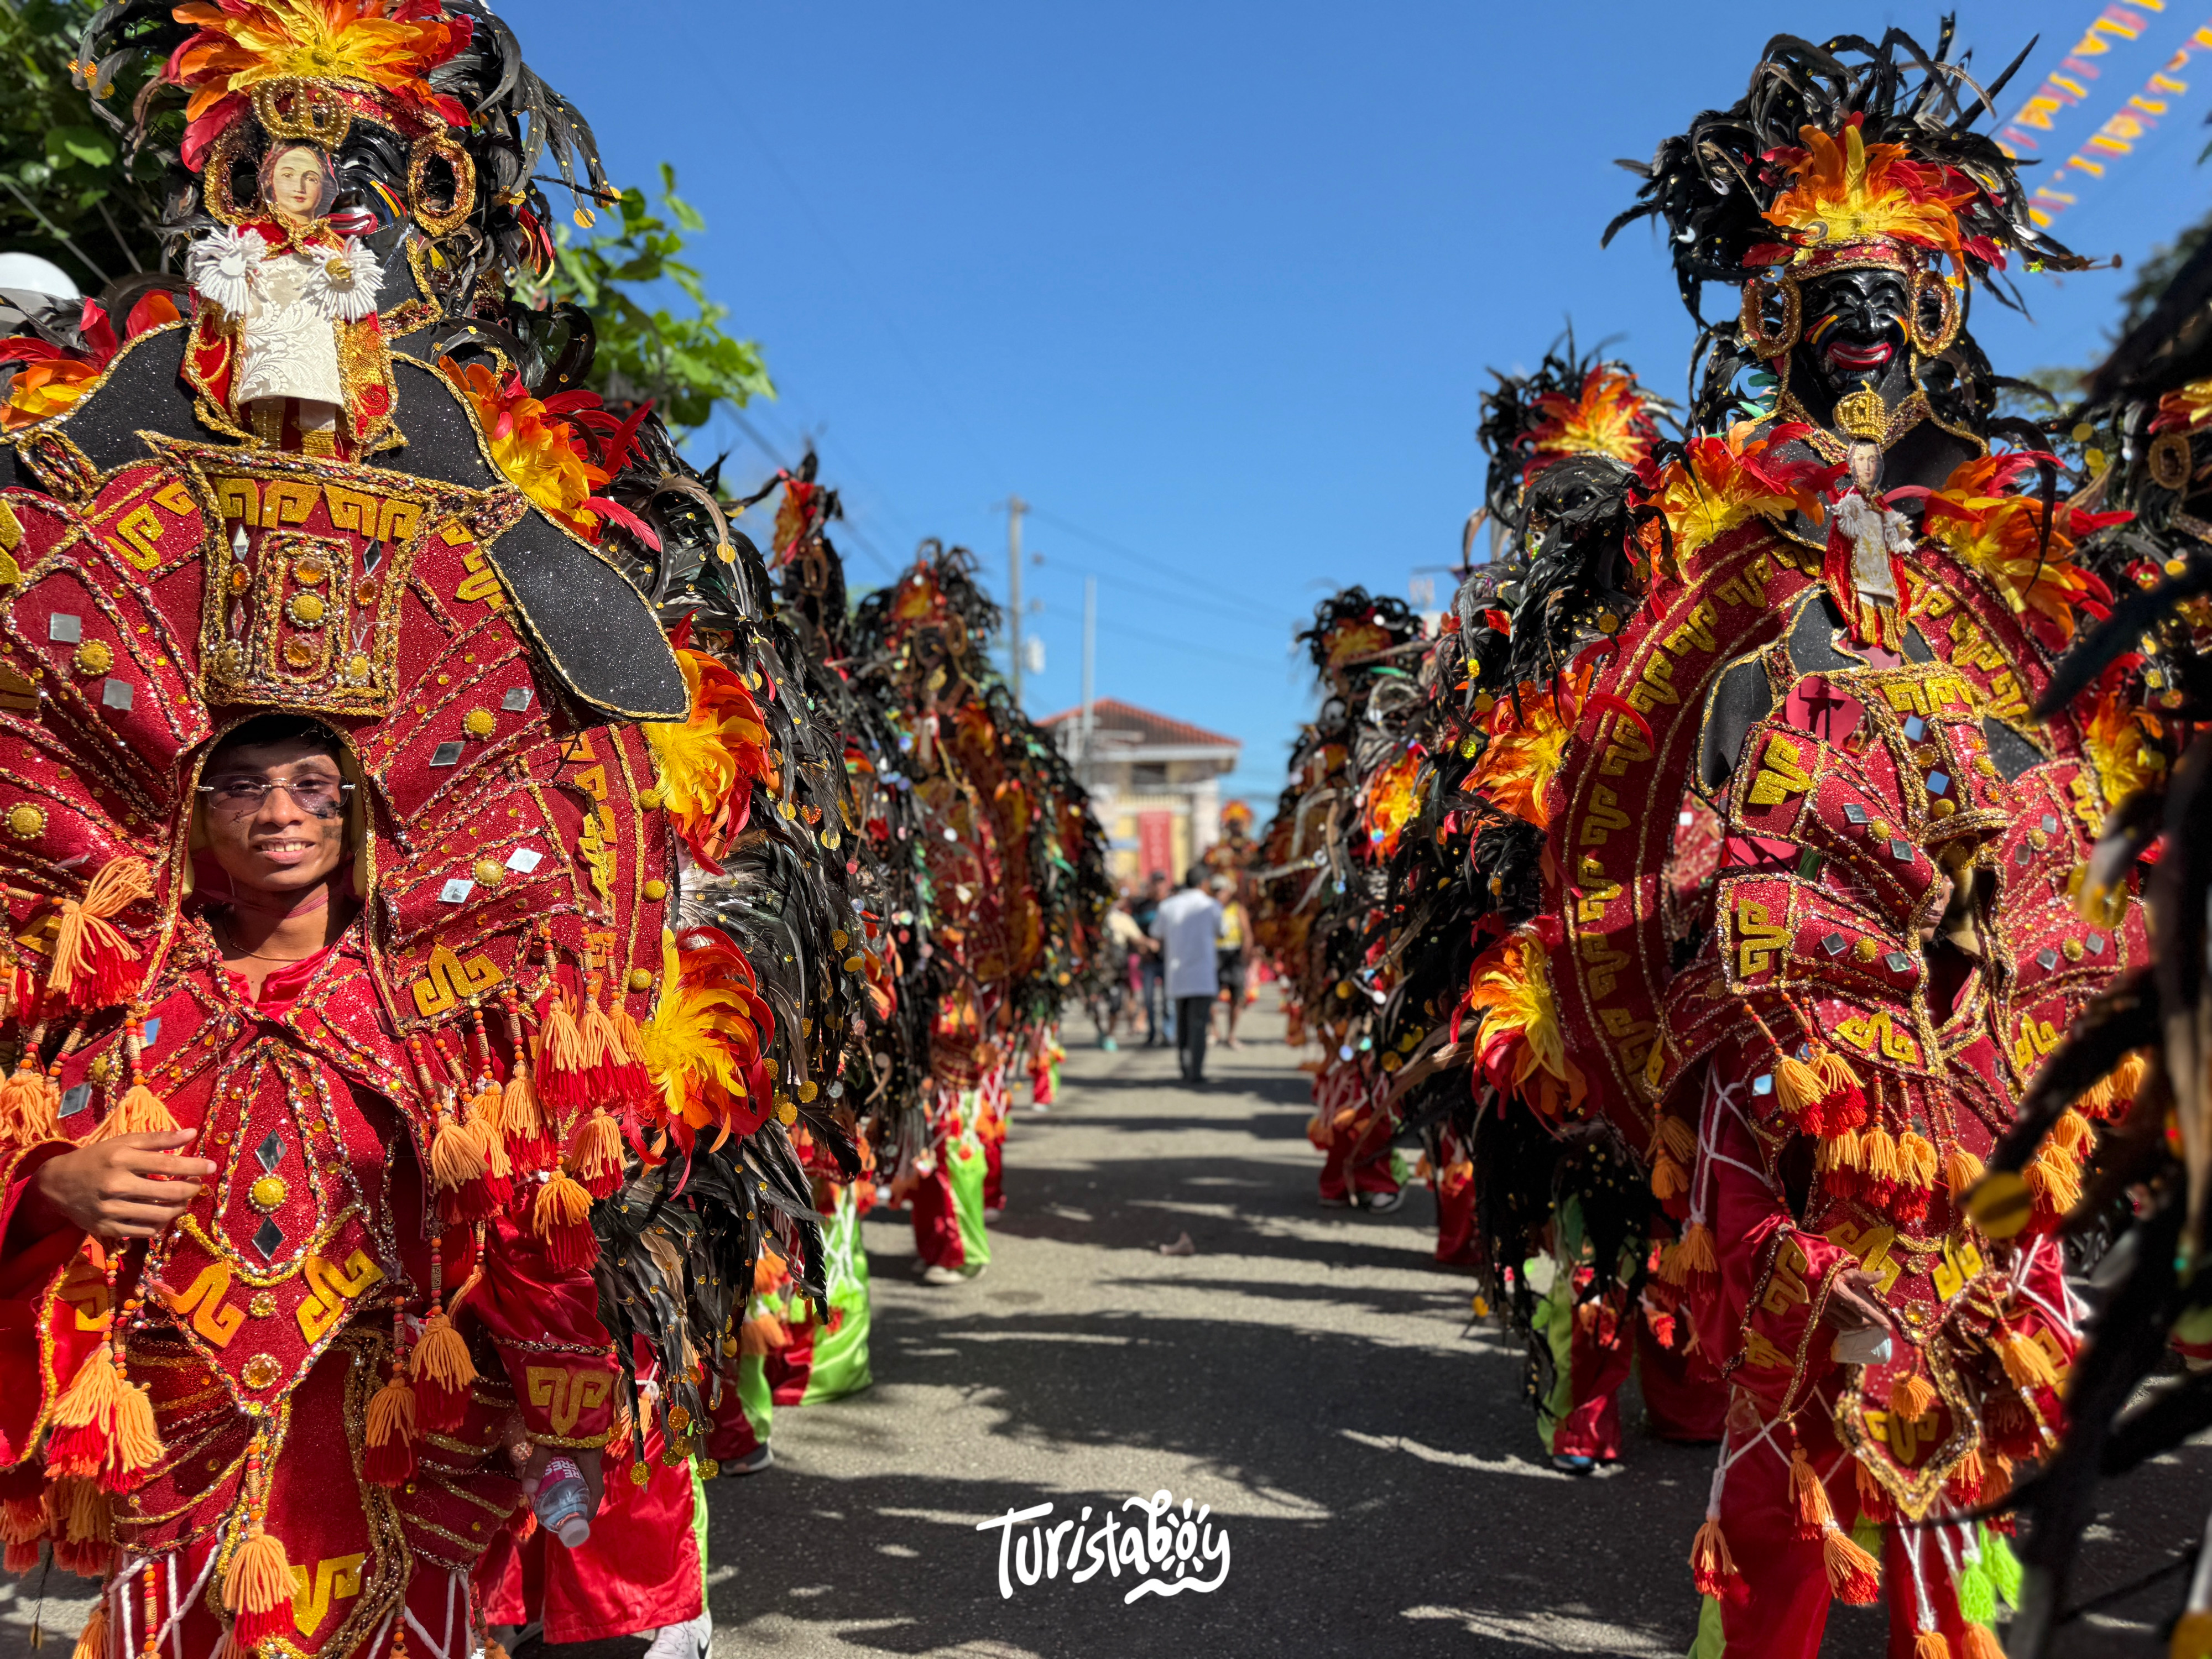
[(337, 865), (1828, 630)]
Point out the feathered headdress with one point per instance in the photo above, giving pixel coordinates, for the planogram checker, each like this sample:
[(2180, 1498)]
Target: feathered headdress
[(1850, 153)]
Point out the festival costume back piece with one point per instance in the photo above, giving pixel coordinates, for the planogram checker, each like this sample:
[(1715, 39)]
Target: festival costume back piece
[(279, 1421), (1793, 885), (1814, 876)]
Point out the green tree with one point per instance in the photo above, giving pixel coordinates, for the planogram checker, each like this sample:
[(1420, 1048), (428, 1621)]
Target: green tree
[(685, 364), (66, 190)]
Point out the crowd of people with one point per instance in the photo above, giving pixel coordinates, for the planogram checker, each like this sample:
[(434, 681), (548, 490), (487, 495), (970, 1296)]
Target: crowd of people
[(1708, 895), (482, 931)]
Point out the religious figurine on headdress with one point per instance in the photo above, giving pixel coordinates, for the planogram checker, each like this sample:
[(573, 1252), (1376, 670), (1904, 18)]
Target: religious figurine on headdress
[(285, 337), (344, 990), (1842, 605)]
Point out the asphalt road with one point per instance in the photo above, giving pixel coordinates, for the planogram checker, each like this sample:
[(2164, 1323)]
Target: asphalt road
[(1307, 1373)]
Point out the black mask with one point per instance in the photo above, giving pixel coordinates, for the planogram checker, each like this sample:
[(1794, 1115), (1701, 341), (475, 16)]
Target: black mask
[(1854, 333)]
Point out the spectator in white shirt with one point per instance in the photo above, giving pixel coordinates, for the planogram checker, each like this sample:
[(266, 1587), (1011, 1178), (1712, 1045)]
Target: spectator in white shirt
[(1188, 928)]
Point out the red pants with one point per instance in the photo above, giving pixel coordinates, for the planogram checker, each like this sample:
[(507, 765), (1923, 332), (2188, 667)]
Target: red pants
[(637, 1572), (936, 1228), (994, 1173), (790, 1367), (729, 1431), (1684, 1400), (1599, 1354), (1777, 1607), (1340, 1176), (1455, 1242)]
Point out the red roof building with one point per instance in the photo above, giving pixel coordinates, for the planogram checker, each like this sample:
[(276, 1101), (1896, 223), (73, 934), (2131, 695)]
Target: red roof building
[(1154, 782)]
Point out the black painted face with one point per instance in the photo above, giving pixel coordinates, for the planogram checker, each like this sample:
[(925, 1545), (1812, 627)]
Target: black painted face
[(1854, 331)]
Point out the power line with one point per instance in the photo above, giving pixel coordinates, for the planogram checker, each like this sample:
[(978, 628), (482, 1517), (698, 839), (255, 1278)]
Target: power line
[(1159, 567), (1212, 651), (736, 108)]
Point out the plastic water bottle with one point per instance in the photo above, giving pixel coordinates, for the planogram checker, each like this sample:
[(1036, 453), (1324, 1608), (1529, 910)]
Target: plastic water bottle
[(562, 1502)]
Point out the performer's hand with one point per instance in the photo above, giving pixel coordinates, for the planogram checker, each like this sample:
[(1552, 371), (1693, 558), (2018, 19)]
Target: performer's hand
[(587, 1465), (1855, 1303), (130, 1187)]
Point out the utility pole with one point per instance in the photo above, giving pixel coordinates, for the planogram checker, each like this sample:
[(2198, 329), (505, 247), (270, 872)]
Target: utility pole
[(1089, 664), (1015, 507)]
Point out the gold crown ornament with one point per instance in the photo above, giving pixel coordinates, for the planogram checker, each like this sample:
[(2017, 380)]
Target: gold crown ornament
[(289, 107), (1863, 414)]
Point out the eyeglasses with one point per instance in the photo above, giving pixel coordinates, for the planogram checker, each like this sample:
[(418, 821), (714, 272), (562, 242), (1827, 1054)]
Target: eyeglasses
[(240, 797)]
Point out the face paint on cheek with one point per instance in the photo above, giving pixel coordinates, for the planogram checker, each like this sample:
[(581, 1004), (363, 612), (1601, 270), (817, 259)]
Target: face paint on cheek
[(1822, 327)]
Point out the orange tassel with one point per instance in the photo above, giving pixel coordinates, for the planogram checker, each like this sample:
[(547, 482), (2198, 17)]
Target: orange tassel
[(140, 1112), (2025, 1363), (521, 1115), (1961, 1170), (2128, 1077), (391, 1457), (92, 961), (564, 1061), (1668, 1180), (1874, 1501), (1915, 1159), (2072, 1131), (1796, 1084), (1853, 1575), (1966, 1479), (23, 1520), (764, 1334), (92, 1641), (456, 1154), (1678, 1138), (768, 1272), (1931, 1644), (257, 1588), (1981, 1644), (1835, 1071), (30, 1104), (1843, 1150), (443, 1373), (596, 1154), (1881, 1150), (2055, 1178), (442, 1356), (1698, 1255), (86, 1517), (1911, 1398), (561, 1216), (486, 1110), (83, 1437), (1710, 1563), (1810, 1495)]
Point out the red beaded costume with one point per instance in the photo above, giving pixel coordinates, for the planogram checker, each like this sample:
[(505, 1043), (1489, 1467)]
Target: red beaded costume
[(280, 1423)]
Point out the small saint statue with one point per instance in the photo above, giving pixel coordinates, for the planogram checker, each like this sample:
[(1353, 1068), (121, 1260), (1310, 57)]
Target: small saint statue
[(295, 303)]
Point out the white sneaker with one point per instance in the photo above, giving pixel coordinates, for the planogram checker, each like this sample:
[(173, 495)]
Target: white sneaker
[(936, 1275), (691, 1641), (759, 1458)]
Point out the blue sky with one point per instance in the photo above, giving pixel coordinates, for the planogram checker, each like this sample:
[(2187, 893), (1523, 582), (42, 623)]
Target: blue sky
[(1214, 287)]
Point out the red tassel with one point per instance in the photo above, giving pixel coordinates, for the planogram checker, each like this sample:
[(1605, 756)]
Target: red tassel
[(563, 1062), (595, 1154), (93, 965), (562, 1217), (443, 1373), (1853, 1575), (1710, 1563), (1808, 1496), (391, 1459)]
